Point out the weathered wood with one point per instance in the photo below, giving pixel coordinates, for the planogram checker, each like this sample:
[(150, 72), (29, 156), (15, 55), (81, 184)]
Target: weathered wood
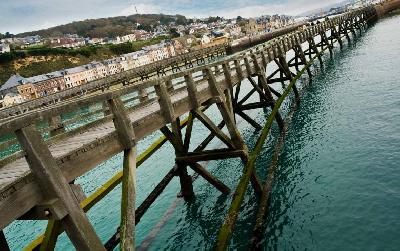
[(213, 128), (143, 95), (54, 184), (300, 53), (101, 192), (258, 88), (233, 212), (188, 133), (246, 97), (249, 120), (224, 110), (210, 155), (3, 242), (128, 200), (210, 178), (53, 229), (254, 105), (208, 139), (192, 91), (165, 102), (268, 92), (122, 124), (57, 126), (127, 137), (175, 137)]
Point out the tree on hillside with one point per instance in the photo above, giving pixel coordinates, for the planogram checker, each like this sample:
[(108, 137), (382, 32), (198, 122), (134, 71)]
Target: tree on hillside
[(213, 19), (166, 20), (145, 27), (174, 33), (6, 35), (181, 20)]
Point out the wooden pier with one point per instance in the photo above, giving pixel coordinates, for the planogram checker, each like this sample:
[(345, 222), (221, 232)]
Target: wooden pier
[(44, 153)]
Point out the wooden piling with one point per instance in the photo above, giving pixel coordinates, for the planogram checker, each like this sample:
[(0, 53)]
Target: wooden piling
[(54, 184)]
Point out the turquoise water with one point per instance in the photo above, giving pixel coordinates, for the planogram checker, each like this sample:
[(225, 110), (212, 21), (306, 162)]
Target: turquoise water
[(337, 186)]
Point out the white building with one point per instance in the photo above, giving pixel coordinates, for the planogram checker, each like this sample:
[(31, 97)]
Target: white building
[(125, 65), (101, 69), (127, 38), (205, 39), (113, 66), (137, 58), (11, 99), (4, 48), (75, 76)]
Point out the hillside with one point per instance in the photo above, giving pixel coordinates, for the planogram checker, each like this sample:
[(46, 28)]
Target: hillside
[(108, 27)]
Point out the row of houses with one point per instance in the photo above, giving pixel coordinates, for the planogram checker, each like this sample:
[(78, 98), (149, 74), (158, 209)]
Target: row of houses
[(74, 41), (18, 89)]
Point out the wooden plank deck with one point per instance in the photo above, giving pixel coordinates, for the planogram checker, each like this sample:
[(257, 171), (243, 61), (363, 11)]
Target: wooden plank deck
[(17, 183)]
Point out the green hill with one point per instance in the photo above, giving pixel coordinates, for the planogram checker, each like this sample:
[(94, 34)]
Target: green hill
[(109, 27)]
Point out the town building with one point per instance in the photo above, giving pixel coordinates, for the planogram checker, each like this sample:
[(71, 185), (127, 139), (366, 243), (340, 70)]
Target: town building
[(11, 99), (67, 42), (159, 51), (141, 34), (11, 85), (205, 39), (75, 76), (92, 41), (234, 31), (126, 38), (140, 58), (42, 85), (113, 66), (4, 48), (252, 27), (101, 69)]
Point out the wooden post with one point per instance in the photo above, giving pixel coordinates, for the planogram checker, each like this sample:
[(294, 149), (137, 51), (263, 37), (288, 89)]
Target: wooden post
[(303, 58), (55, 186), (56, 126), (126, 136), (106, 110), (192, 91), (3, 242), (315, 49), (224, 110), (128, 200), (283, 65), (175, 138), (229, 89), (143, 95), (51, 235), (230, 123)]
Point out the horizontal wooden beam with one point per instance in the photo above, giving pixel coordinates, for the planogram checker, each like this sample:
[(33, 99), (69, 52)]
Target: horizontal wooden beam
[(210, 155)]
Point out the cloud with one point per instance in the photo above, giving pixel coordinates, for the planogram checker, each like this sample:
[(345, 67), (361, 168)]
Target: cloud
[(290, 8), (27, 15)]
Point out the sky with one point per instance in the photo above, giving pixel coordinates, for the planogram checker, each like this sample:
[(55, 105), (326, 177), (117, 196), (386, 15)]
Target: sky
[(18, 16)]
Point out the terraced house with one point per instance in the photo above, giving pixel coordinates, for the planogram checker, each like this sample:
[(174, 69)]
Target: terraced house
[(42, 85)]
